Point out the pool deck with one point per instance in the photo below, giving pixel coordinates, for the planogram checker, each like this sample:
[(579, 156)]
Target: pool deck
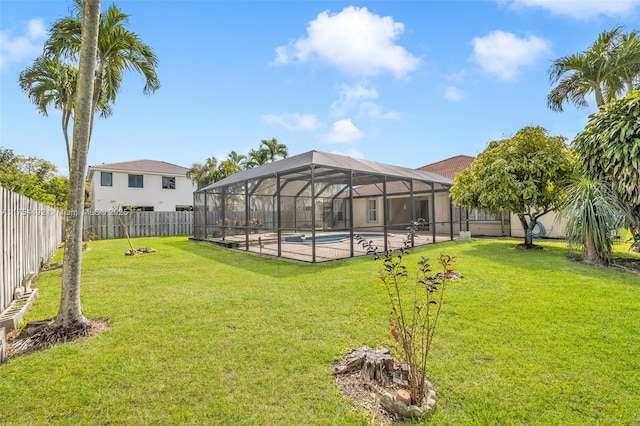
[(267, 244)]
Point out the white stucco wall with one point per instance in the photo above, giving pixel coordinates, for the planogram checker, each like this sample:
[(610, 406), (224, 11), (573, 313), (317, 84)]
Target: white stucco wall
[(360, 214), (150, 195), (555, 228)]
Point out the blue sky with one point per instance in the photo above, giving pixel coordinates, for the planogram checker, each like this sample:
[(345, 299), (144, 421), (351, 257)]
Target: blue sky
[(400, 82)]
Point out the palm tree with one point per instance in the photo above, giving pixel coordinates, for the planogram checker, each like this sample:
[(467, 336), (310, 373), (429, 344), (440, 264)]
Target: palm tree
[(630, 61), (273, 149), (227, 168), (119, 50), (256, 158), (51, 82), (70, 316), (604, 69), (204, 174), (234, 163), (591, 211), (236, 159)]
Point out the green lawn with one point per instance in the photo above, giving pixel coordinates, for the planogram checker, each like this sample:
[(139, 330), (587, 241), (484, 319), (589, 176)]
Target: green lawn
[(211, 336)]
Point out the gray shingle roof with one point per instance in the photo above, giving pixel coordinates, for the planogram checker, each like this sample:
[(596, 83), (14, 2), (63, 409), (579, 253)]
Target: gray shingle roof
[(142, 166)]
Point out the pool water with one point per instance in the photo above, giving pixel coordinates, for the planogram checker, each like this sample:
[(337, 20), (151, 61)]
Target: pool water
[(320, 239)]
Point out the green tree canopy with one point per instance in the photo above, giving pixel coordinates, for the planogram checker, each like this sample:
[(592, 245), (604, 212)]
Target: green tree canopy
[(610, 150), (33, 177), (273, 149), (212, 170), (256, 158), (525, 174), (204, 174)]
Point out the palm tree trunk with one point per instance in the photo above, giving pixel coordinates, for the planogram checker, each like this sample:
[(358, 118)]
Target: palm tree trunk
[(629, 84), (600, 101), (590, 252), (70, 313), (97, 88), (66, 116)]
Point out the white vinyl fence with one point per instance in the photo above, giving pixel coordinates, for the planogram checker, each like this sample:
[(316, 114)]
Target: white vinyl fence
[(108, 224), (30, 233)]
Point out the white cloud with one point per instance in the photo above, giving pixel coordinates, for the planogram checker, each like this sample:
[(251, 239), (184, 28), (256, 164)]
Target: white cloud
[(504, 54), (294, 121), (453, 93), (586, 9), (344, 131), (457, 77), (18, 48), (372, 110), (355, 98), (350, 97), (355, 41)]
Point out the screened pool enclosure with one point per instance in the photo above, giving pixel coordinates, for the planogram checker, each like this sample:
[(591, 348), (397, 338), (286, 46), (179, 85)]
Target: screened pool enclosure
[(308, 207)]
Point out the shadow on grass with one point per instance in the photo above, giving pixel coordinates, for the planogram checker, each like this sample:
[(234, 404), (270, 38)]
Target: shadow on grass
[(554, 255)]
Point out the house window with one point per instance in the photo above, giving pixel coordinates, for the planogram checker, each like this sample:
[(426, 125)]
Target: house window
[(475, 215), (372, 210), (106, 179), (168, 182), (339, 206), (184, 208), (135, 181)]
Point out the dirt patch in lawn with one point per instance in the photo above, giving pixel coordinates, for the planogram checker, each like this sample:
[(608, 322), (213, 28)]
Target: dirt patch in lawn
[(365, 375), (38, 335), (366, 396), (631, 265)]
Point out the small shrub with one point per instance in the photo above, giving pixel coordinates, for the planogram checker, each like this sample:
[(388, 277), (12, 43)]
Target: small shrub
[(415, 305)]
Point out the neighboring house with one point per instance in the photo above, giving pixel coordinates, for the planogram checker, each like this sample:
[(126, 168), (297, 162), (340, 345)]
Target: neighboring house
[(145, 184)]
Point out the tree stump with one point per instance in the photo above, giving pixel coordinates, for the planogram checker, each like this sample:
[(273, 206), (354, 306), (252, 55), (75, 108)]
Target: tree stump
[(375, 365)]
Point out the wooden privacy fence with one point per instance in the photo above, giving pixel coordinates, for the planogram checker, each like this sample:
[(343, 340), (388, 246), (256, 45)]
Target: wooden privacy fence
[(30, 233), (107, 224)]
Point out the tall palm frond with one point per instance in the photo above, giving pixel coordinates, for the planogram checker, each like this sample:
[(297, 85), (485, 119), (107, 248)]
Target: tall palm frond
[(628, 62), (49, 82), (604, 69), (273, 149), (255, 158), (236, 159), (119, 50), (204, 174)]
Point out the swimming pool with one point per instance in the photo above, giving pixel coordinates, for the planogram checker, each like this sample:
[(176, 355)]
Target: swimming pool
[(321, 239)]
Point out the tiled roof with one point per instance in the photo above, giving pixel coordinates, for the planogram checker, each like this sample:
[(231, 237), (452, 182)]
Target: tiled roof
[(143, 166), (449, 167)]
